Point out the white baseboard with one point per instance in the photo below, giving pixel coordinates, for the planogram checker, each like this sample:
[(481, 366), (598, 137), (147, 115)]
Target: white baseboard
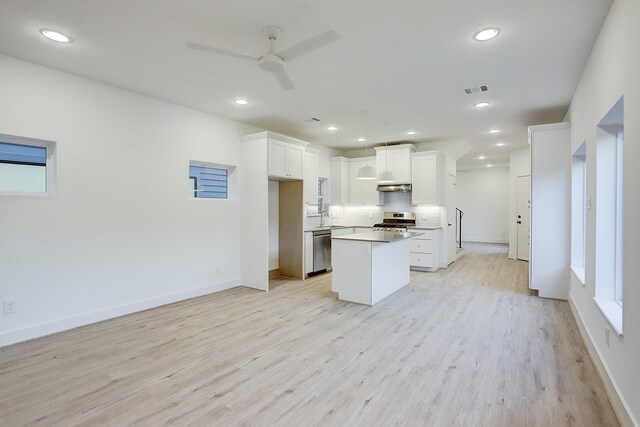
[(502, 241), (48, 328), (620, 407)]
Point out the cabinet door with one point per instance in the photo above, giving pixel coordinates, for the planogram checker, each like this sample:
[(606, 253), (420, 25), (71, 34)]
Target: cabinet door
[(424, 179), (370, 187), (295, 159), (277, 158), (339, 180), (308, 252), (385, 160), (311, 179), (402, 166), (356, 186), (363, 191)]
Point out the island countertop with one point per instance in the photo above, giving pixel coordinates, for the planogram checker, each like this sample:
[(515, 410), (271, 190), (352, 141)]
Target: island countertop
[(378, 236)]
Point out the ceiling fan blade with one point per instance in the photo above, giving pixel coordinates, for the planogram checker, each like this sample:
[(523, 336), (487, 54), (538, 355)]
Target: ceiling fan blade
[(204, 48), (283, 78), (309, 45)]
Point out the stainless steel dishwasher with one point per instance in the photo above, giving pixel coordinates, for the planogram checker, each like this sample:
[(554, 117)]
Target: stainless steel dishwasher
[(321, 251)]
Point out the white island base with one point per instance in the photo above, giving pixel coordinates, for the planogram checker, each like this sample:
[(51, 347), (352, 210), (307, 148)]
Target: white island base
[(366, 271)]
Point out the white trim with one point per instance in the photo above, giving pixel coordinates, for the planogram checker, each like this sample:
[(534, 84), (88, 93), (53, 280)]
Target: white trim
[(43, 329), (619, 404), (579, 272), (548, 127), (612, 311), (273, 135), (501, 241)]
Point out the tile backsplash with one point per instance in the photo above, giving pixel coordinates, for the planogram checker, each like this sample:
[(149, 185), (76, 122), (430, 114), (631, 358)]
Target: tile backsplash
[(426, 216)]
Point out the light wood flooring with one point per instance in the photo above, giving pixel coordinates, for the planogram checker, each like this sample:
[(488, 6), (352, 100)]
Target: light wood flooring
[(465, 346)]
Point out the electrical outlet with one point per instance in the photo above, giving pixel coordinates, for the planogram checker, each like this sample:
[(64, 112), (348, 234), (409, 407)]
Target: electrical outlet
[(606, 336), (9, 307)]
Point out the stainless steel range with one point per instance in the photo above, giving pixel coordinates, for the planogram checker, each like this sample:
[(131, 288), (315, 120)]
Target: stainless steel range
[(400, 222)]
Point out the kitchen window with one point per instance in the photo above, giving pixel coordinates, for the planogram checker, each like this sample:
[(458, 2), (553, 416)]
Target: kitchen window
[(26, 166), (322, 183), (609, 215), (210, 181)]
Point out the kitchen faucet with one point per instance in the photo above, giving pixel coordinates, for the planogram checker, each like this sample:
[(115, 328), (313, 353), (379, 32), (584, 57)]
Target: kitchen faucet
[(322, 217)]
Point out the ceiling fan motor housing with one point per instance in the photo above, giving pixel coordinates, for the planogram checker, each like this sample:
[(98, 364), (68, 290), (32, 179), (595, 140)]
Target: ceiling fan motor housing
[(271, 62)]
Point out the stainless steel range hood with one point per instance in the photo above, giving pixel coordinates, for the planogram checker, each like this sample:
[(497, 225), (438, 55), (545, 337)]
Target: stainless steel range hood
[(386, 188)]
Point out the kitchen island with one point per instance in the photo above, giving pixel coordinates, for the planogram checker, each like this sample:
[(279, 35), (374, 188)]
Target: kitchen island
[(370, 266)]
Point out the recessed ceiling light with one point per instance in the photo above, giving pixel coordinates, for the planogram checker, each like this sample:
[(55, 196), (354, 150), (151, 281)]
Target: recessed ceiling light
[(241, 101), (486, 34), (55, 36), (494, 131), (481, 157), (489, 166), (411, 132), (332, 128), (481, 104), (362, 139), (499, 144)]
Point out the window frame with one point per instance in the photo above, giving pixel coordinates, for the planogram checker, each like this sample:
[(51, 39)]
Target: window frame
[(609, 233), (50, 164), (579, 212), (231, 180)]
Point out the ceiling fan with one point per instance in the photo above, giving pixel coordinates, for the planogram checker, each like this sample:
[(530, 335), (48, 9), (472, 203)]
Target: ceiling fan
[(272, 60)]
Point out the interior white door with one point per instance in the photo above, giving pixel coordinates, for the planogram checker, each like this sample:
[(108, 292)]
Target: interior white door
[(451, 219), (524, 217)]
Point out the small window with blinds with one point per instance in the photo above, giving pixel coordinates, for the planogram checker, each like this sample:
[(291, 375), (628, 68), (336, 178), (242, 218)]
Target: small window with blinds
[(208, 181), (26, 165)]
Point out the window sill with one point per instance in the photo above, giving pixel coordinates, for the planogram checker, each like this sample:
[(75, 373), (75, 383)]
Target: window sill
[(25, 193), (579, 272), (612, 312)]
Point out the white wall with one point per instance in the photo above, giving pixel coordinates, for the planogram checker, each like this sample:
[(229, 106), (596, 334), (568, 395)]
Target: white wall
[(122, 233), (274, 225), (611, 72), (519, 165), (483, 196)]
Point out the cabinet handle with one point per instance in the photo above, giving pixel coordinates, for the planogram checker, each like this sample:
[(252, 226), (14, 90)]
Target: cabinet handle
[(519, 222)]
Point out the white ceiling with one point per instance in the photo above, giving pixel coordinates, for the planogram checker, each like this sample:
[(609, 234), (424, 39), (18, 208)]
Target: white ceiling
[(406, 62)]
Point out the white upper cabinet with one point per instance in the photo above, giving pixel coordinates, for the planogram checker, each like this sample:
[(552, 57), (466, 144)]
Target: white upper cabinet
[(362, 191), (311, 177), (428, 178), (339, 180), (397, 160), (285, 159)]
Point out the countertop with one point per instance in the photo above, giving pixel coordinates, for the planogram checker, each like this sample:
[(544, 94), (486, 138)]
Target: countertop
[(335, 227), (326, 227), (378, 236)]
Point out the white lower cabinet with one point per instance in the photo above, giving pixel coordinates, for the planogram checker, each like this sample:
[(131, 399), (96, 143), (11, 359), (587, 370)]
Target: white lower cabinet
[(341, 231), (308, 252), (425, 252)]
